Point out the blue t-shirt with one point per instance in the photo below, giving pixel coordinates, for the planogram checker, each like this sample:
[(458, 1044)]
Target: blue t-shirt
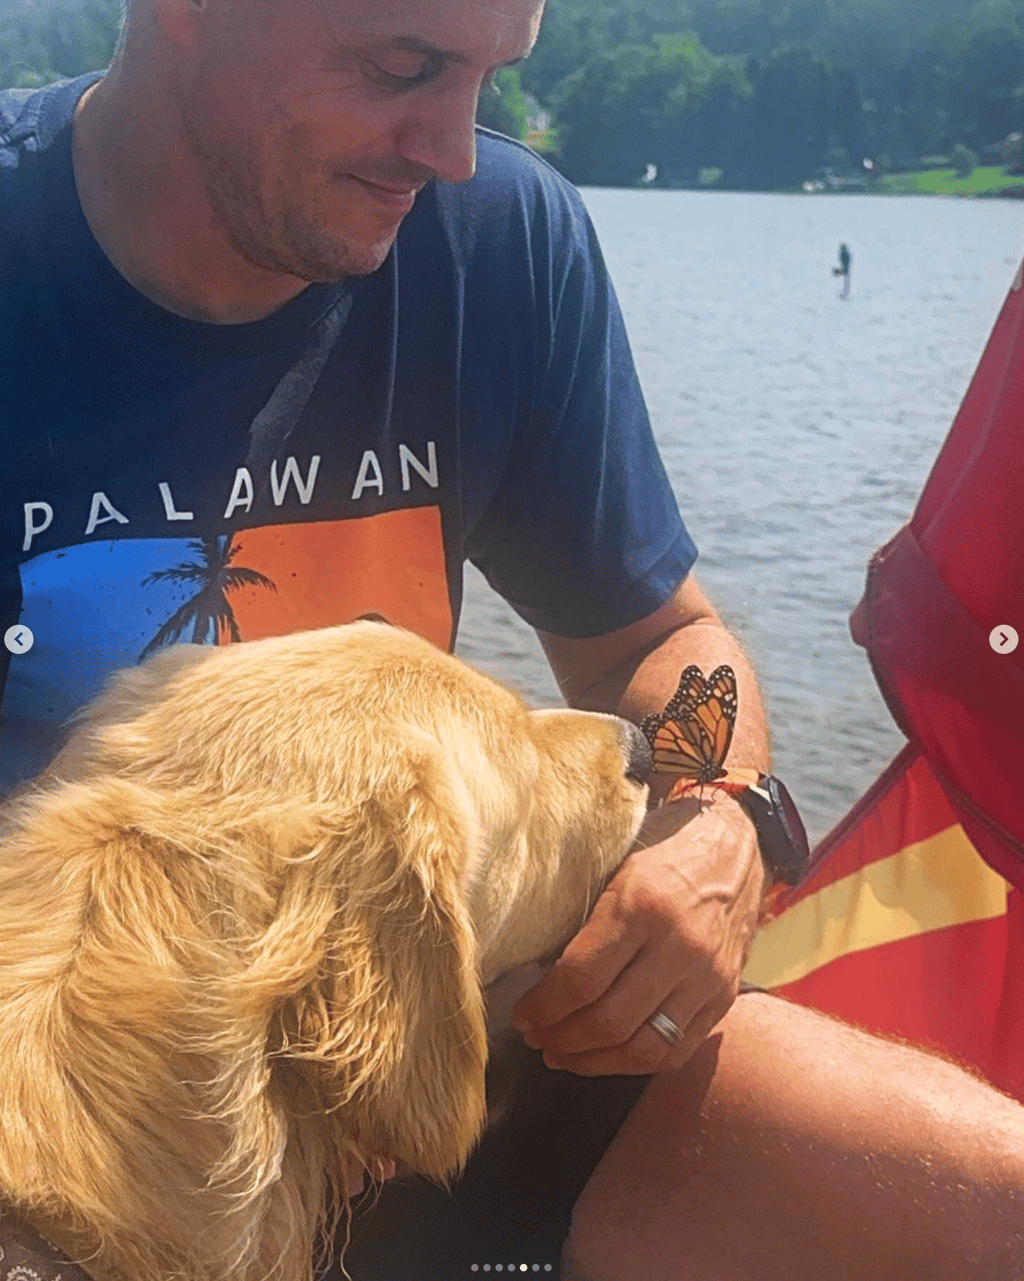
[(165, 480)]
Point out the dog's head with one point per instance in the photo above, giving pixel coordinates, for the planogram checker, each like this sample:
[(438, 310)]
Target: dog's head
[(370, 830)]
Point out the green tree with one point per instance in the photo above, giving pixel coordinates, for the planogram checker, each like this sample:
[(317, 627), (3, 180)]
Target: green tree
[(788, 129), (39, 45), (503, 107), (640, 104), (963, 160), (902, 77)]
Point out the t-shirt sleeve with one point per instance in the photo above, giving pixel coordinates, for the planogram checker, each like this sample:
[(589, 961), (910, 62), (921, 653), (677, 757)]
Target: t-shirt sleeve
[(583, 534)]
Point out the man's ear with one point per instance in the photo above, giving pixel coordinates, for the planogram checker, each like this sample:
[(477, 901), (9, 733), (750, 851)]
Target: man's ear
[(177, 18)]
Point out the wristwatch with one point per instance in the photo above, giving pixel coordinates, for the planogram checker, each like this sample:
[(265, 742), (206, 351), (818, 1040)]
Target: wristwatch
[(780, 830)]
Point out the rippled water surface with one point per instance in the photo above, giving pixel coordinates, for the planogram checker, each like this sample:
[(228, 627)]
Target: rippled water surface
[(797, 428)]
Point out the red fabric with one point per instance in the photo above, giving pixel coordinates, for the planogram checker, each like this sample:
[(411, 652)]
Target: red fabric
[(937, 590), (940, 990), (934, 594), (905, 804), (959, 989)]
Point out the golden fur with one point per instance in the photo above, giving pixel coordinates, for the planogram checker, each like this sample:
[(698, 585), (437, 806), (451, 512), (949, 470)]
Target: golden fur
[(245, 918)]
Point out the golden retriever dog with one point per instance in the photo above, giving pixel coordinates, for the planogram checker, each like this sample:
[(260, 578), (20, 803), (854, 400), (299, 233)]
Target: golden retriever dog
[(246, 918)]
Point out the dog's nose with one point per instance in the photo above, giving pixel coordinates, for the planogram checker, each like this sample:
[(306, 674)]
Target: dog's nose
[(640, 760)]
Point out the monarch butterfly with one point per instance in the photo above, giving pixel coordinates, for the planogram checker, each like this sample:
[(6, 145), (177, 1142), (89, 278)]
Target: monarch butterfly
[(691, 737)]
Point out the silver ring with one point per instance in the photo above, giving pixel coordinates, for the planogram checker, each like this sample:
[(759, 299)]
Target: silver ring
[(664, 1026)]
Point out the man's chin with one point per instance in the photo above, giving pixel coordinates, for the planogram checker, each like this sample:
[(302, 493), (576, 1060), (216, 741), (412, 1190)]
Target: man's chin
[(348, 260), (370, 261)]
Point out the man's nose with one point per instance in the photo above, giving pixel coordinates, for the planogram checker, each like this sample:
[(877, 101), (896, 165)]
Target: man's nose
[(441, 136)]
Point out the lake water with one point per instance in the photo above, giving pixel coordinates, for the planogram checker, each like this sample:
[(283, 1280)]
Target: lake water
[(797, 428)]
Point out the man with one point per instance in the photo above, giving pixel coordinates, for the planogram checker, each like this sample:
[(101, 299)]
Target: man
[(268, 302), (845, 259)]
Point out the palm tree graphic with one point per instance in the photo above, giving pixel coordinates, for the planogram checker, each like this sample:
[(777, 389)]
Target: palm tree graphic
[(209, 612)]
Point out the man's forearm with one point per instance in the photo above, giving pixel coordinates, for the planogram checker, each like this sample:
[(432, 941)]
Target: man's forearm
[(641, 686), (679, 913)]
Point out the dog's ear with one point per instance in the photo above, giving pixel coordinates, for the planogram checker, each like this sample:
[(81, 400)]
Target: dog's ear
[(388, 1037)]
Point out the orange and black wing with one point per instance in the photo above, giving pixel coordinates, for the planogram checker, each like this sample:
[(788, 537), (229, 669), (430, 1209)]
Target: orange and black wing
[(691, 689), (691, 736)]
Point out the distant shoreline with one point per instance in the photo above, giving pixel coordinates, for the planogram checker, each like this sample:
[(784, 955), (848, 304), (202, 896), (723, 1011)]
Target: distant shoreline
[(987, 182), (1009, 193)]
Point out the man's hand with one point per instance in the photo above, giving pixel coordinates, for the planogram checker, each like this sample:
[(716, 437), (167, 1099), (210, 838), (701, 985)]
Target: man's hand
[(670, 933)]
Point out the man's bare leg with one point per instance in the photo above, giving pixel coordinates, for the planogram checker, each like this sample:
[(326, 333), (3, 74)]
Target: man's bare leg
[(794, 1148)]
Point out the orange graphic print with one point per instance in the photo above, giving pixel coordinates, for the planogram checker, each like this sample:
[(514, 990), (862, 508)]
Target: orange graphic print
[(328, 572)]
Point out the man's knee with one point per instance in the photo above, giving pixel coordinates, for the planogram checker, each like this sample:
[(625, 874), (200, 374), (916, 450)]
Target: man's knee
[(784, 1129), (593, 1249), (630, 1221), (573, 1268)]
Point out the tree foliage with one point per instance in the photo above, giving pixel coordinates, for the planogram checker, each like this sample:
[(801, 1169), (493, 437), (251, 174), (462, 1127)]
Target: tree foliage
[(798, 87), (46, 42), (963, 160), (503, 106), (669, 103)]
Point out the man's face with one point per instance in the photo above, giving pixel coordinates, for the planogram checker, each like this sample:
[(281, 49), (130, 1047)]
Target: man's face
[(314, 123)]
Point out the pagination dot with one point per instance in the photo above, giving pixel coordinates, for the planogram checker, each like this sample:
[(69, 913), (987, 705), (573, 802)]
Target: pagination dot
[(511, 1267)]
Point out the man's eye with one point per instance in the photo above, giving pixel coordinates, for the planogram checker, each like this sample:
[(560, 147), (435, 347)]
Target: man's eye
[(393, 77), (402, 76)]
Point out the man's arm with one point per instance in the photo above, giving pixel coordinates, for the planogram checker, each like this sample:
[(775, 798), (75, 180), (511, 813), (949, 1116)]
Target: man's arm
[(672, 930), (635, 670)]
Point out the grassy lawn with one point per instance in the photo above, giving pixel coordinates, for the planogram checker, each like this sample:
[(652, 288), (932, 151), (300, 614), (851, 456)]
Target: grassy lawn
[(944, 182), (542, 142)]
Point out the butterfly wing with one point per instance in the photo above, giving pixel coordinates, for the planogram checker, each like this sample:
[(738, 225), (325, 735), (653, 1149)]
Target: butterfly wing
[(691, 688), (680, 747), (692, 736), (716, 713)]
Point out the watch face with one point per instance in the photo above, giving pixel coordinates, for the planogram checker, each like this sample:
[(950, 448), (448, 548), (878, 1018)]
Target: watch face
[(780, 829), (789, 816)]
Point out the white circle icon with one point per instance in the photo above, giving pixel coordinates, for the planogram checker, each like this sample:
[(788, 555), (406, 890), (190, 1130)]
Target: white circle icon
[(18, 638), (1003, 639)]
